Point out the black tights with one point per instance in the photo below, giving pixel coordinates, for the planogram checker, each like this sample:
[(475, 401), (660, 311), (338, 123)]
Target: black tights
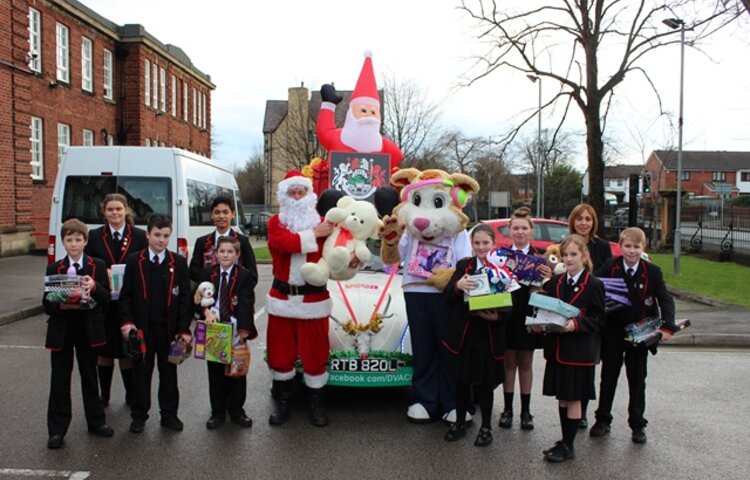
[(484, 395)]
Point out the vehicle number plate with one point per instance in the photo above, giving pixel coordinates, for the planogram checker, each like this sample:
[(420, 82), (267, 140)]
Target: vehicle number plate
[(363, 365)]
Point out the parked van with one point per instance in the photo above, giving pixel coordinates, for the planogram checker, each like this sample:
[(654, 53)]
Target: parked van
[(167, 181)]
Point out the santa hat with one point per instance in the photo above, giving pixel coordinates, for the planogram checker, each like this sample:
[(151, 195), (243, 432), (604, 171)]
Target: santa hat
[(295, 178), (366, 91)]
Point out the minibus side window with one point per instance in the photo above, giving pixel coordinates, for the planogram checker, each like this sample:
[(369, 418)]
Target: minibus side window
[(200, 196), (145, 195)]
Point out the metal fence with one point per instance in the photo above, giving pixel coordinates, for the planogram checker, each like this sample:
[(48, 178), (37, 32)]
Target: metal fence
[(716, 228)]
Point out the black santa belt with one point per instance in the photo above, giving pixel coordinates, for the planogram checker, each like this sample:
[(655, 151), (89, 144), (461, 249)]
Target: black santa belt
[(305, 289)]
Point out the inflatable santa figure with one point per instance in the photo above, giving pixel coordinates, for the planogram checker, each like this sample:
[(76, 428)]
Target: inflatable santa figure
[(361, 130)]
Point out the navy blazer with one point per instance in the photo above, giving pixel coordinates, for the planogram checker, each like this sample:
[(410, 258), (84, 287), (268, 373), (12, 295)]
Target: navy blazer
[(93, 318), (460, 316), (241, 295), (648, 297), (205, 244), (576, 348), (102, 245), (134, 295)]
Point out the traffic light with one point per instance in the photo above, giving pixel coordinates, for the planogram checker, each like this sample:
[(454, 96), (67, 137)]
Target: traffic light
[(646, 182)]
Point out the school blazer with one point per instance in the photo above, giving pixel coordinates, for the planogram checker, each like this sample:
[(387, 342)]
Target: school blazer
[(102, 245), (135, 293), (241, 295), (576, 348), (460, 316), (206, 244), (648, 298), (92, 319)]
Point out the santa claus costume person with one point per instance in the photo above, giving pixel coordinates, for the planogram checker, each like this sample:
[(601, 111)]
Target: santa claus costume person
[(297, 311)]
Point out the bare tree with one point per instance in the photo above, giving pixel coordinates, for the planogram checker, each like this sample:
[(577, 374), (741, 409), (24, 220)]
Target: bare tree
[(250, 177), (627, 31), (460, 151), (525, 152), (410, 119), (298, 144)]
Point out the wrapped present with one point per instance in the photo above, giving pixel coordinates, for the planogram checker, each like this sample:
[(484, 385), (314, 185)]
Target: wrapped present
[(199, 336), (134, 347), (646, 333), (615, 294), (550, 314), (218, 342), (67, 289), (240, 364), (178, 351), (494, 300), (425, 257)]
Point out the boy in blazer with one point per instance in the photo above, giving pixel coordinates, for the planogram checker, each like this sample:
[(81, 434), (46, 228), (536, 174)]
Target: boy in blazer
[(75, 328), (155, 299), (204, 255), (648, 298), (234, 304)]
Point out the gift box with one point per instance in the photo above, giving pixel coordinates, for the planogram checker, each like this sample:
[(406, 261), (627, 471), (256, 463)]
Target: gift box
[(240, 364), (646, 333), (218, 342), (615, 294), (134, 347), (178, 351), (116, 274), (425, 257), (67, 289), (482, 282), (496, 300), (526, 268), (551, 313)]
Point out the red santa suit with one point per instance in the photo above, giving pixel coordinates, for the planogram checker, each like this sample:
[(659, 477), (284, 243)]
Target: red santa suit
[(297, 312), (335, 139)]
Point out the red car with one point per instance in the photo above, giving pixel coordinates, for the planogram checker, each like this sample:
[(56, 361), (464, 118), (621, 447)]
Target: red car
[(546, 232)]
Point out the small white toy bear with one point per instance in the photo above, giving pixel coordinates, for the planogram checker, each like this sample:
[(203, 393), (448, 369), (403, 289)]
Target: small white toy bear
[(204, 294), (355, 221)]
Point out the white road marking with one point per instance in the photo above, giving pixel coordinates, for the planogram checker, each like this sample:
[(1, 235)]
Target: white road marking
[(24, 347), (259, 313), (44, 473)]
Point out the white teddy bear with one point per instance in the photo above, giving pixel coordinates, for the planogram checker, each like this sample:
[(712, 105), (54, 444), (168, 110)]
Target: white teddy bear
[(355, 221), (204, 294)]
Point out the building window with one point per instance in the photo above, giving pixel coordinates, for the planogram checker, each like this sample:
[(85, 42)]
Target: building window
[(155, 86), (195, 107), (619, 182), (204, 111), (174, 96), (63, 139), (37, 149), (88, 138), (110, 139), (719, 176), (63, 53), (147, 83), (685, 176), (744, 176), (87, 65), (163, 87), (35, 40), (185, 101), (107, 74)]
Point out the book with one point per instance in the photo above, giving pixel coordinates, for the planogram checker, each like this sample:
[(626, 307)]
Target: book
[(425, 257)]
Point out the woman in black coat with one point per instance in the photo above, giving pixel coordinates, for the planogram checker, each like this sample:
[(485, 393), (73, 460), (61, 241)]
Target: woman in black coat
[(112, 243), (476, 339)]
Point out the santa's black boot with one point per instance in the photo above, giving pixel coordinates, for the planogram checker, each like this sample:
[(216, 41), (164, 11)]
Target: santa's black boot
[(281, 393), (318, 416)]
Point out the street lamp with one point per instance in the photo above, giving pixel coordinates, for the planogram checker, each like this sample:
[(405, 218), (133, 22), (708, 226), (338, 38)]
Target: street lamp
[(674, 24), (539, 180)]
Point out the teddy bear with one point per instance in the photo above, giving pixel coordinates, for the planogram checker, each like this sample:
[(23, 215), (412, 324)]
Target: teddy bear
[(554, 259), (204, 294), (355, 221)]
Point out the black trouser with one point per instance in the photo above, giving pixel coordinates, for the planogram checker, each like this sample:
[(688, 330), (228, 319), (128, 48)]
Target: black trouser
[(59, 407), (157, 349), (614, 351), (227, 394)]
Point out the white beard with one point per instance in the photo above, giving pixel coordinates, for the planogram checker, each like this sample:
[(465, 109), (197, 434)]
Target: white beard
[(362, 135), (298, 215)]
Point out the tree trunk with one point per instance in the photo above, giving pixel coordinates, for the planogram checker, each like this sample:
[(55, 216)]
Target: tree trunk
[(595, 149)]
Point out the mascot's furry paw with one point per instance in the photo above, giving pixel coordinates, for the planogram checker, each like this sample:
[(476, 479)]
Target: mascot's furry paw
[(391, 233), (440, 277)]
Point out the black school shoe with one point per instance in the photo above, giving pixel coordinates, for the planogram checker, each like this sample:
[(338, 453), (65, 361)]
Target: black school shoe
[(242, 420), (215, 421), (506, 419), (54, 442), (560, 453), (547, 452), (484, 437), (457, 430), (102, 430), (600, 429), (639, 435), (172, 423), (527, 421), (583, 424)]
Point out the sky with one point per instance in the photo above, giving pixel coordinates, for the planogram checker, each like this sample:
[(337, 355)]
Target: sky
[(254, 51)]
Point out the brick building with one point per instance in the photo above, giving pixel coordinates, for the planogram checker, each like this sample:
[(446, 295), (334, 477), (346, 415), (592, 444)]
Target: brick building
[(703, 172), (69, 76)]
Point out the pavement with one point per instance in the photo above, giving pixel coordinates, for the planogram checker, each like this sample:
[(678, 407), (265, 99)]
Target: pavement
[(713, 324)]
